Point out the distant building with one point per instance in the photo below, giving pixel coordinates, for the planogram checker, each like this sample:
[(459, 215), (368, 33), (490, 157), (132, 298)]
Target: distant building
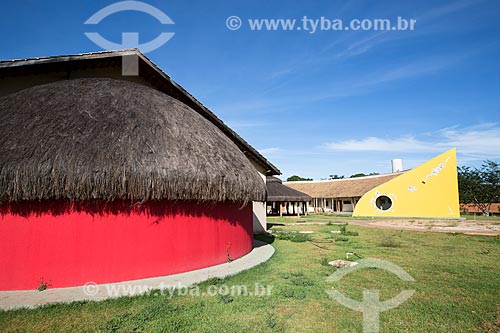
[(429, 190), (284, 200), (471, 209), (338, 195)]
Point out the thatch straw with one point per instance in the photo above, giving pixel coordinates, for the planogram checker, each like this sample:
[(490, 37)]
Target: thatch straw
[(276, 191), (109, 139)]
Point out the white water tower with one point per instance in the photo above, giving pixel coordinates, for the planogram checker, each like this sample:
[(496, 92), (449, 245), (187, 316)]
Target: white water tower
[(397, 165)]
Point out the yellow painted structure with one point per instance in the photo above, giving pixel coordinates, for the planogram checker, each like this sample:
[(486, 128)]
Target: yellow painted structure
[(429, 190)]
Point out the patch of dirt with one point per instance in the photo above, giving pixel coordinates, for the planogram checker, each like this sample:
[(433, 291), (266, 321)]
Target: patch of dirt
[(459, 226), (469, 227), (494, 326)]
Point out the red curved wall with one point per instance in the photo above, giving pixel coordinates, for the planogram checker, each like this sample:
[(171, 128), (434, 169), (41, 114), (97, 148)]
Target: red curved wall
[(72, 244)]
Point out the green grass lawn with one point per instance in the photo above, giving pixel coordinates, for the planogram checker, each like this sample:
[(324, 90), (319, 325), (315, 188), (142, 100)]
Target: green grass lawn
[(457, 290), (340, 218), (479, 217), (312, 218)]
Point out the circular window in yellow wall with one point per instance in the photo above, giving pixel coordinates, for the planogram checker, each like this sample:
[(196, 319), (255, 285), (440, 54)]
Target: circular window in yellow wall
[(383, 202)]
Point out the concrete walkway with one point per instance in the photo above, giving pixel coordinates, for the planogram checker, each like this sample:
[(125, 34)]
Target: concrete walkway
[(93, 292)]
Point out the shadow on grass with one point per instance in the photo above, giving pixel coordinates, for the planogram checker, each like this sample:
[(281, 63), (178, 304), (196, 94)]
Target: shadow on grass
[(266, 238)]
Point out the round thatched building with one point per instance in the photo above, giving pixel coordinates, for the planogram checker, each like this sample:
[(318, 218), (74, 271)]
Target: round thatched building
[(107, 180)]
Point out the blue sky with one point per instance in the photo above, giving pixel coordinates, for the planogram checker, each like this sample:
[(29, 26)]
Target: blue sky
[(332, 102)]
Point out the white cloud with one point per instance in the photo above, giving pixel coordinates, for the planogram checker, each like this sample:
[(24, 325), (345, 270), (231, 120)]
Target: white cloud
[(400, 144), (479, 141), (483, 140)]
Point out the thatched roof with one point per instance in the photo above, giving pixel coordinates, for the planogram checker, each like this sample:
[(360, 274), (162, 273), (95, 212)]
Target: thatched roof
[(276, 191), (341, 188), (108, 139), (109, 64)]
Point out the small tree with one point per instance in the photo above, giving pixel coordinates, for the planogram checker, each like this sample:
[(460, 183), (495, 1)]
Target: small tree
[(356, 175), (361, 174), (480, 187), (331, 177), (296, 178)]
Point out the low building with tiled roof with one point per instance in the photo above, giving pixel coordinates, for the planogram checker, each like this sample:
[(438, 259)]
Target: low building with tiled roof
[(339, 195)]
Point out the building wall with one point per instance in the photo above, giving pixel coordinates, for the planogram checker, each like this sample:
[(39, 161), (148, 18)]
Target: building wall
[(333, 205), (287, 208), (259, 208), (72, 244), (471, 209), (429, 190), (259, 217)]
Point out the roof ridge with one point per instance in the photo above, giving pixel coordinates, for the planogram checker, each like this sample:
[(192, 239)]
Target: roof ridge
[(344, 179), (113, 52)]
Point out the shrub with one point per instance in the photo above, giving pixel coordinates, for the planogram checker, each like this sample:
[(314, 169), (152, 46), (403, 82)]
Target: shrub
[(226, 299), (290, 293), (302, 281), (341, 239), (345, 232), (43, 285), (292, 236), (324, 261)]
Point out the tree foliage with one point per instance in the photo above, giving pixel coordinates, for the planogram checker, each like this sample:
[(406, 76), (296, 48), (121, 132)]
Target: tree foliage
[(331, 177), (356, 175), (480, 187), (361, 174), (296, 178)]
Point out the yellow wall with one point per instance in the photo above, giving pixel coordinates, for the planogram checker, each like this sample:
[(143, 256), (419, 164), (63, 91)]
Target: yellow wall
[(429, 190)]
